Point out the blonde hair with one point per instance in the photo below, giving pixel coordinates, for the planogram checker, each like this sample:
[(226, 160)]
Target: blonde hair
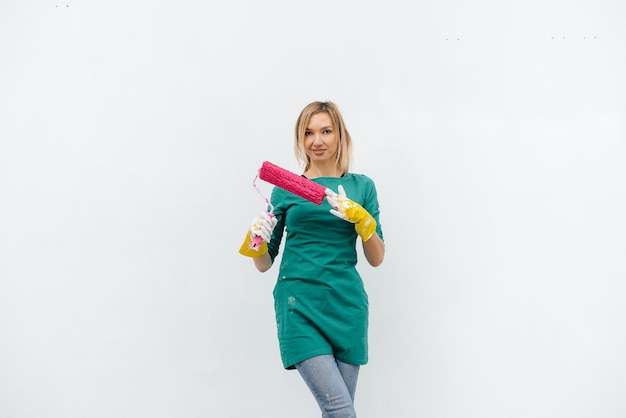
[(344, 147)]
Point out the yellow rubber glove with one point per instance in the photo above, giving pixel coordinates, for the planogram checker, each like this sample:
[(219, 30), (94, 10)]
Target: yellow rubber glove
[(348, 210), (259, 234)]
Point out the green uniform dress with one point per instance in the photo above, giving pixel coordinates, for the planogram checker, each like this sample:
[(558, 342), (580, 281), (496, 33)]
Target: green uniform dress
[(320, 302)]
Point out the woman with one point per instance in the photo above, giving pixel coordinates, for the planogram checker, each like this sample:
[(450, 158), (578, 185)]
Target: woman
[(321, 305)]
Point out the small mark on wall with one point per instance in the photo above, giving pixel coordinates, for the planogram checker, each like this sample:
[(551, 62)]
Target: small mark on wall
[(549, 37), (569, 38)]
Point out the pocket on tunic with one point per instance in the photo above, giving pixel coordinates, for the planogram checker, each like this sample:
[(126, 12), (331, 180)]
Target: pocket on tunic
[(298, 301)]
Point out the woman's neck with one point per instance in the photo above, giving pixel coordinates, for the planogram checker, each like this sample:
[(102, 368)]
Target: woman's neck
[(316, 170)]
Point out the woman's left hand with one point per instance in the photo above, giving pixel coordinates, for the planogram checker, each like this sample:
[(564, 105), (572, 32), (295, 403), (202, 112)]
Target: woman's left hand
[(348, 210)]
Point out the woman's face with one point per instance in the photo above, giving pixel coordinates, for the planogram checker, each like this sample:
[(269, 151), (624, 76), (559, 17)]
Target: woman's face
[(320, 140)]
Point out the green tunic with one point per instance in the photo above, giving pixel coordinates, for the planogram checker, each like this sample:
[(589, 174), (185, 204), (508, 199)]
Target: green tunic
[(320, 302)]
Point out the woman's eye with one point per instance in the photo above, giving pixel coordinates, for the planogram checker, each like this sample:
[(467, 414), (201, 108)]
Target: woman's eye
[(327, 131), (307, 133)]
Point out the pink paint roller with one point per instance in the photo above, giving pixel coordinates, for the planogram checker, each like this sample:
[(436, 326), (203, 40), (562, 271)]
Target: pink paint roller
[(291, 182), (298, 185)]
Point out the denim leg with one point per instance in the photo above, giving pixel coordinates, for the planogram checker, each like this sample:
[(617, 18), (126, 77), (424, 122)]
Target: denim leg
[(350, 375), (323, 377)]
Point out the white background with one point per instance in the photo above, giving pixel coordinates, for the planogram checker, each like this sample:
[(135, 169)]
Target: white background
[(130, 134)]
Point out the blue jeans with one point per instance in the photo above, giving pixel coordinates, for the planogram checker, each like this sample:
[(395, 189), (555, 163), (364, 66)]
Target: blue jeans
[(333, 383)]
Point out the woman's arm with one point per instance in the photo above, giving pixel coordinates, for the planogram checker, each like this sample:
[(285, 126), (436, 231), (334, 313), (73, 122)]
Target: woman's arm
[(263, 263), (374, 249)]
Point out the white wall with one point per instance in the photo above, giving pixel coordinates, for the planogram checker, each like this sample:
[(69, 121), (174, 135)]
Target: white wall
[(130, 133)]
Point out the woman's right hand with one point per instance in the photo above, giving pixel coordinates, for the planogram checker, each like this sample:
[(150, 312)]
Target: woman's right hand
[(263, 225), (259, 234)]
